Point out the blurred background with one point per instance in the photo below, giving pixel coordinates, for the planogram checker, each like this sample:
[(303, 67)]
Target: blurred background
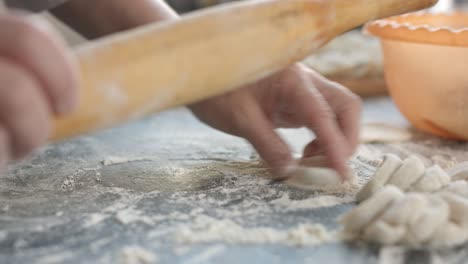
[(190, 5), (184, 6)]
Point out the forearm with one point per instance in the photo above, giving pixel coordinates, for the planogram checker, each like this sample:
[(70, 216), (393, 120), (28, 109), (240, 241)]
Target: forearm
[(94, 18)]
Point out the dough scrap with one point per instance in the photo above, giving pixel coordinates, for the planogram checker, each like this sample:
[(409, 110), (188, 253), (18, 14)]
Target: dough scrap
[(414, 219), (459, 172), (407, 204), (433, 179), (408, 175), (458, 208), (384, 233), (449, 235), (371, 208), (409, 172), (389, 165), (384, 133), (462, 175), (427, 222), (458, 188), (406, 210)]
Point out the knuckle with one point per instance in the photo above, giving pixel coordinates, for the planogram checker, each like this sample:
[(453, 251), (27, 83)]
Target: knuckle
[(31, 38), (325, 114), (352, 101)]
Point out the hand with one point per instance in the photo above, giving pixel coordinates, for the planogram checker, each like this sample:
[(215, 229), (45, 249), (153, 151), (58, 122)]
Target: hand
[(295, 97), (37, 79)]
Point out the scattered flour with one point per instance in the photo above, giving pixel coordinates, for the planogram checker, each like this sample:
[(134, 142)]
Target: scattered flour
[(6, 208), (181, 250), (96, 246), (311, 203), (3, 235), (61, 257), (206, 255), (137, 255), (391, 255), (207, 229), (94, 219), (130, 215), (120, 160), (69, 183)]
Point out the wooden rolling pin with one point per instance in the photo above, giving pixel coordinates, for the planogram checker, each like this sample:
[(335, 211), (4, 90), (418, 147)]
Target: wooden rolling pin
[(207, 53)]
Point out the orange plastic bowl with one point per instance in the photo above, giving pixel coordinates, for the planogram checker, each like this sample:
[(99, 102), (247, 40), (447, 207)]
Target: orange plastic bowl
[(426, 69)]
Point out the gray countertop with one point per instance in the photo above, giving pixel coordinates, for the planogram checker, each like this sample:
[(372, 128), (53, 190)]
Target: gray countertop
[(146, 184)]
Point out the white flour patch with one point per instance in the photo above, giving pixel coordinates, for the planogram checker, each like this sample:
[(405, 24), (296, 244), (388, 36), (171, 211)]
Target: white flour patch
[(181, 250), (207, 229), (311, 203), (120, 160), (3, 235), (56, 258), (206, 255), (130, 215), (99, 244), (94, 219), (137, 255)]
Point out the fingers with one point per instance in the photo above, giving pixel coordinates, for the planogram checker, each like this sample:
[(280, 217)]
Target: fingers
[(259, 131), (31, 44), (345, 105), (24, 112), (318, 118), (317, 115)]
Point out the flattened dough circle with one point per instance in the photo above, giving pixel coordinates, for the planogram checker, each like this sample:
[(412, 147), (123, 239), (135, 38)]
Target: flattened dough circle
[(311, 174), (313, 178)]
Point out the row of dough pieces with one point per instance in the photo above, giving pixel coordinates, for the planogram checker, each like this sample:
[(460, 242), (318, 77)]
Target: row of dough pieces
[(405, 203)]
